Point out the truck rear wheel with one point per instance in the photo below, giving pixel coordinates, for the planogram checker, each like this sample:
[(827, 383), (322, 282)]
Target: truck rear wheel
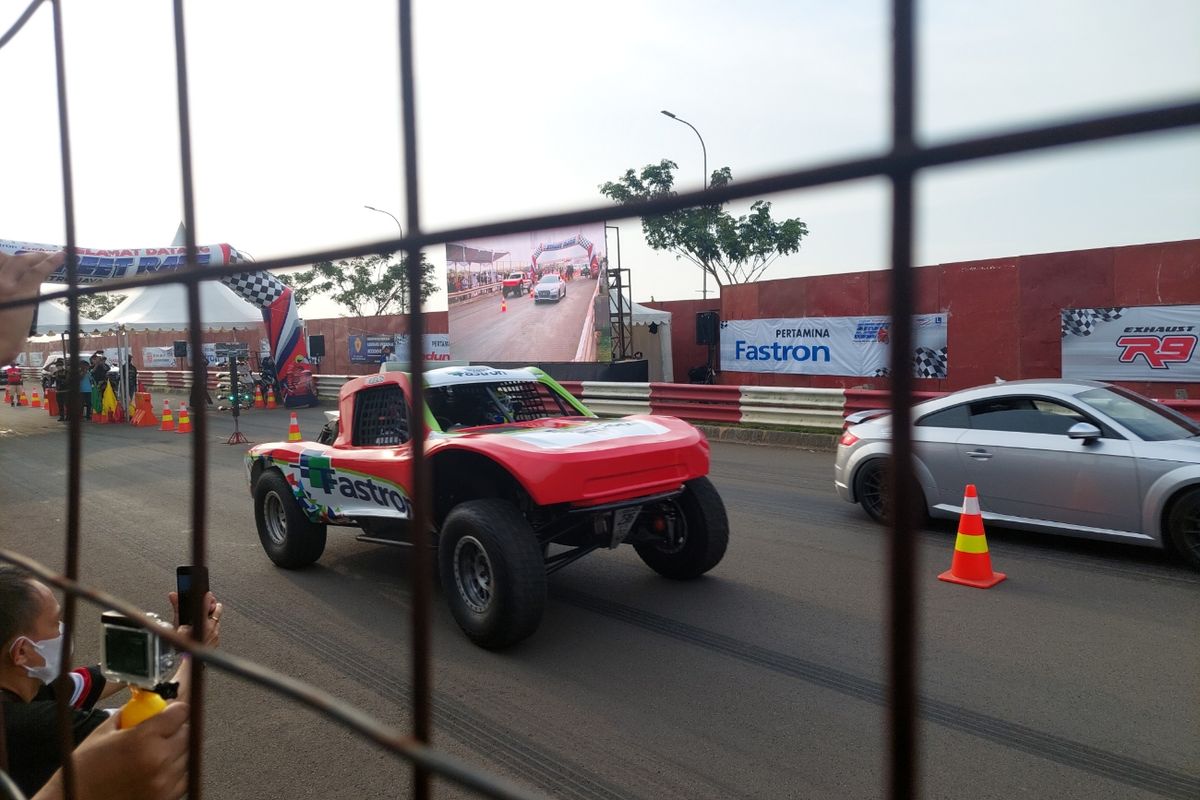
[(290, 538), (492, 572), (700, 544)]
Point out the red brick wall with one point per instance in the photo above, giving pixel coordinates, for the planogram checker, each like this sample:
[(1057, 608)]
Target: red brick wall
[(1004, 312)]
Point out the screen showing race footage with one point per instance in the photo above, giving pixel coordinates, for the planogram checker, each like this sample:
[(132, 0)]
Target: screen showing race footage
[(526, 297)]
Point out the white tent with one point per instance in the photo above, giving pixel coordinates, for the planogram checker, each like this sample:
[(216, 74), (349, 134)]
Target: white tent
[(164, 308), (54, 318), (657, 353)]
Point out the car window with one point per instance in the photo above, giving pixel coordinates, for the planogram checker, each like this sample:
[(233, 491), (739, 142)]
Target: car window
[(380, 417), (954, 417), (1024, 415), (1146, 418)]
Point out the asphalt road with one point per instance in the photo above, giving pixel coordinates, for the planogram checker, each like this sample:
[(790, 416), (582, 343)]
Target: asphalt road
[(527, 331), (1076, 678)]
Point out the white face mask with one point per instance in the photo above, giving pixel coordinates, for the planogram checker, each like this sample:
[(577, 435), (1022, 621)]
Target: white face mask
[(51, 652)]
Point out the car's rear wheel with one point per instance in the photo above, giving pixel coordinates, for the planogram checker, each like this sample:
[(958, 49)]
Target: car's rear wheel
[(492, 571), (288, 536), (871, 489), (1183, 527), (700, 538)]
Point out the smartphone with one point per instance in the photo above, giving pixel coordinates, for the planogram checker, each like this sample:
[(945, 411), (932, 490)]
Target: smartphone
[(189, 582)]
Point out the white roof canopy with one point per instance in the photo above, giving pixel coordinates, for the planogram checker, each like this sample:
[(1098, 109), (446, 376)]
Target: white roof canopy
[(53, 317), (164, 308), (642, 315)]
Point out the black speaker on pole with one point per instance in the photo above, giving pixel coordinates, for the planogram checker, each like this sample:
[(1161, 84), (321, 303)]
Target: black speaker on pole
[(316, 347), (707, 323), (180, 348)]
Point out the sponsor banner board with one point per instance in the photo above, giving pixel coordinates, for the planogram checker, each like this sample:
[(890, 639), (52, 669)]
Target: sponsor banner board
[(1133, 343), (853, 346), (368, 348), (159, 358)]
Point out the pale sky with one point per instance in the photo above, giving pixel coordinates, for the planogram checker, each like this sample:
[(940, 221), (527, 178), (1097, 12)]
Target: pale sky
[(527, 107)]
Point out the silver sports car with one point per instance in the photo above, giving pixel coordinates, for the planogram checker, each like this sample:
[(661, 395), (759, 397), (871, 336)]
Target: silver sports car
[(1079, 458), (550, 287)]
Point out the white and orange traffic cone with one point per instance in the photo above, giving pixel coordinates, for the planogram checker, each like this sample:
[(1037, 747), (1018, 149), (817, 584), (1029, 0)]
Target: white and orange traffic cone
[(270, 398), (168, 421), (258, 398), (185, 422), (294, 429), (972, 564), (503, 304)]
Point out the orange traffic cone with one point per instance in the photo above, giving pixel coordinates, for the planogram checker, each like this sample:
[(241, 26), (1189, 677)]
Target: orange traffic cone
[(185, 422), (503, 304), (258, 400), (22, 400), (37, 399), (270, 398), (294, 429), (168, 422), (7, 397), (972, 565)]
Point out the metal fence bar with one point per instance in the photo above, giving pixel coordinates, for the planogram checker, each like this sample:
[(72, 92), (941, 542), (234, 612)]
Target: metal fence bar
[(900, 165), (1152, 119), (420, 562), (75, 416), (902, 663), (200, 420)]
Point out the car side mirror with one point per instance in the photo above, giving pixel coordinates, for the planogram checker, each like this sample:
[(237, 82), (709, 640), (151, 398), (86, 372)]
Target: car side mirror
[(1083, 430)]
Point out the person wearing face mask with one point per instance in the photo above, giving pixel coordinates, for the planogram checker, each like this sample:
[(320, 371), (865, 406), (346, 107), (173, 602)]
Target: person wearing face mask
[(31, 646)]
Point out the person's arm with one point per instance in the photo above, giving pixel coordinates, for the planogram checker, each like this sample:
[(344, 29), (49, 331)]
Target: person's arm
[(20, 277), (148, 762), (212, 635)]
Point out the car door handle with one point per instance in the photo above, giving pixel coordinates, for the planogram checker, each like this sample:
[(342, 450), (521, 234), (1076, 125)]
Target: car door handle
[(979, 455)]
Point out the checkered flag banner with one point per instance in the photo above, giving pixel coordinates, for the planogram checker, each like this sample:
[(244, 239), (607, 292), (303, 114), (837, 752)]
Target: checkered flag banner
[(260, 288), (930, 363), (1082, 321)]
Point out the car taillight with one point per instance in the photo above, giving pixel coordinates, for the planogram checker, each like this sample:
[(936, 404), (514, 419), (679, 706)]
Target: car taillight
[(847, 439)]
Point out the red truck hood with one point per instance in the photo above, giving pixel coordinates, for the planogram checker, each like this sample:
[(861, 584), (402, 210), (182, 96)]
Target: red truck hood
[(587, 461)]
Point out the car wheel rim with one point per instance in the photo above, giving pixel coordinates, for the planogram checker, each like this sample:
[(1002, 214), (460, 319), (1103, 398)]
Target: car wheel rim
[(275, 518), (873, 494), (473, 574)]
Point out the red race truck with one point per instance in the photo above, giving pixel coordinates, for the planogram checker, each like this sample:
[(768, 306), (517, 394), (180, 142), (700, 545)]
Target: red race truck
[(525, 480), (516, 284)]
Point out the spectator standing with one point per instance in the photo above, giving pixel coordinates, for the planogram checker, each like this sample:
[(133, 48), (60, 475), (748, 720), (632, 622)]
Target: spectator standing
[(99, 379), (131, 379), (14, 380), (85, 386)]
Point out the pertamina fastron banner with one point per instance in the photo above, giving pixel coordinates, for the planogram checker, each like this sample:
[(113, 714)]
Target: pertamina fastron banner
[(856, 346), (1136, 343)]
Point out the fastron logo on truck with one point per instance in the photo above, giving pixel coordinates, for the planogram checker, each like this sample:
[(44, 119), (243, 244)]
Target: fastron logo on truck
[(336, 492)]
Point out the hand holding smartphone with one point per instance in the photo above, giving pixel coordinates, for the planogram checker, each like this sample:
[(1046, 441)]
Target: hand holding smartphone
[(190, 582)]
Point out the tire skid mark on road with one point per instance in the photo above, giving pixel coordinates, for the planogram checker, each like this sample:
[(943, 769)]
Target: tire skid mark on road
[(785, 499), (541, 768), (1113, 766)]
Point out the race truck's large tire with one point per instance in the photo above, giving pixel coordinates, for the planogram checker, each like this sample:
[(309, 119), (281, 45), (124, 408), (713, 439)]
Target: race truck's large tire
[(492, 572), (701, 544), (291, 540)]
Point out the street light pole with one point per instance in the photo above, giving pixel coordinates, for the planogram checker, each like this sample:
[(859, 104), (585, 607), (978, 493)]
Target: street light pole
[(704, 153), (390, 214)]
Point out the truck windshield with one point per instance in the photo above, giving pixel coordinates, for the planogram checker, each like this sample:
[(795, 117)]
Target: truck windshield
[(469, 405)]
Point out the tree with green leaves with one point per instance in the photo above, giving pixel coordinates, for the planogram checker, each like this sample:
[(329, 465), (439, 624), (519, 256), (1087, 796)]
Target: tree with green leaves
[(730, 249), (95, 306), (367, 286)]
